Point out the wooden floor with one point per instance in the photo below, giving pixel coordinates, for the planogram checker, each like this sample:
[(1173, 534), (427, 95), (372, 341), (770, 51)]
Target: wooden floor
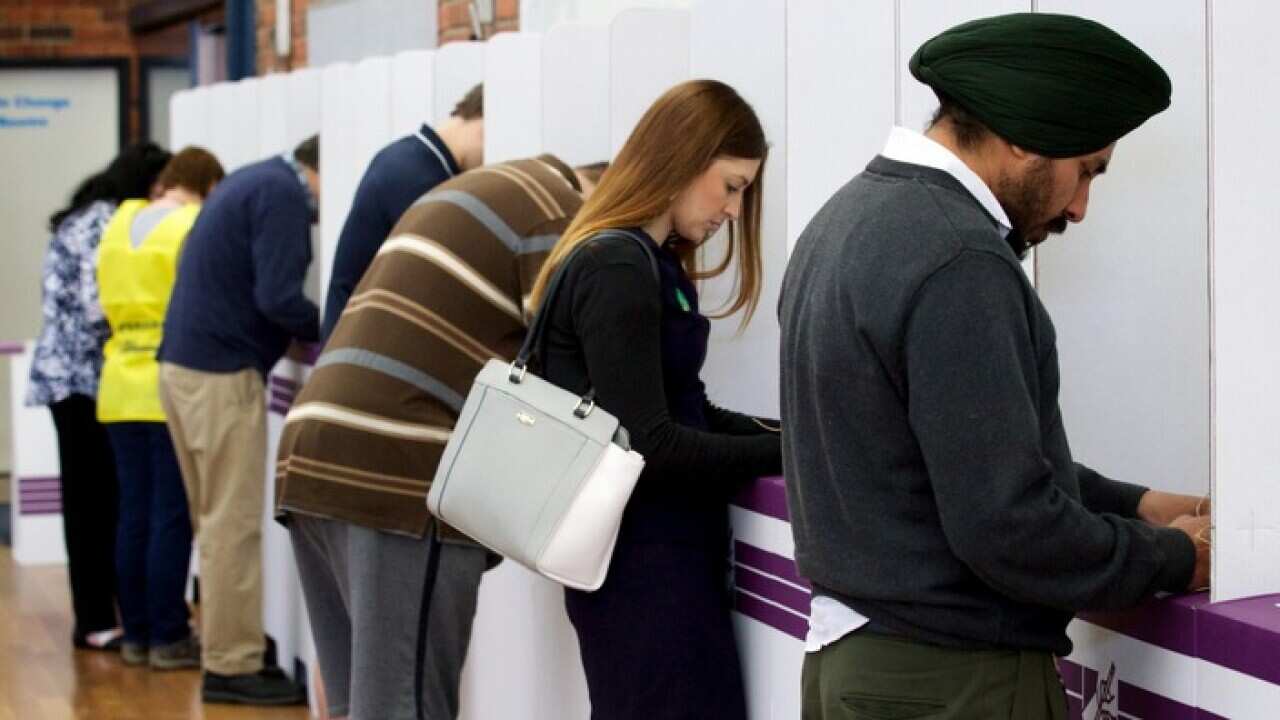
[(43, 678)]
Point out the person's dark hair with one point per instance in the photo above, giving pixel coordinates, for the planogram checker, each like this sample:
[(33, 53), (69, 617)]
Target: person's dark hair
[(471, 106), (308, 152), (968, 130), (130, 175), (194, 169), (593, 171)]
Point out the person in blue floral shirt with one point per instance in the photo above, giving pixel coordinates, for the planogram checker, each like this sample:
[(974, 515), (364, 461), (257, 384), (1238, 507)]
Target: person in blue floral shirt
[(64, 376)]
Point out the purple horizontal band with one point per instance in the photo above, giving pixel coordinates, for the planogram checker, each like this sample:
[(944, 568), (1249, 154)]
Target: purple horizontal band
[(1075, 708), (1243, 635), (52, 493), (39, 480), (284, 382), (773, 616), (42, 508), (1169, 623), (767, 496), (282, 395), (767, 587), (1072, 675), (1141, 703), (278, 408), (9, 347), (767, 562)]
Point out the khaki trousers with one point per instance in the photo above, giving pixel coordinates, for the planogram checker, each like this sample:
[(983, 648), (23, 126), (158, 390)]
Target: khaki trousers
[(864, 676), (219, 426)]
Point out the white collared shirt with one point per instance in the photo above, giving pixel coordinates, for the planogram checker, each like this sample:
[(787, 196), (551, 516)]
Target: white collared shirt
[(830, 619)]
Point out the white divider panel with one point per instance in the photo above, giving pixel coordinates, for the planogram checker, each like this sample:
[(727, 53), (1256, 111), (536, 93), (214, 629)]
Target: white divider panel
[(189, 118), (512, 97), (303, 108), (648, 53), (371, 83), (741, 370), (338, 173), (840, 98), (459, 66), (233, 123), (530, 654), (575, 93), (920, 20), (1129, 287), (412, 99), (35, 517), (273, 114), (1246, 265)]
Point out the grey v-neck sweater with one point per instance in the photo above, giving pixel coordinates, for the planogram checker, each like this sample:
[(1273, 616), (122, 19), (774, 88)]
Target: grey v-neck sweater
[(930, 482)]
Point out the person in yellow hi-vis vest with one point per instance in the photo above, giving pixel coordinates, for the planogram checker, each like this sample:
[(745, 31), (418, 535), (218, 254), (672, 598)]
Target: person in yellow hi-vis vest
[(137, 262)]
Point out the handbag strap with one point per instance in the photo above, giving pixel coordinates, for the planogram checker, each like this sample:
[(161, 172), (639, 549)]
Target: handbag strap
[(535, 340)]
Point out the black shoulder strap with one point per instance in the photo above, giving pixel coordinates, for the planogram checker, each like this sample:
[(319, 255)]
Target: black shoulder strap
[(534, 341)]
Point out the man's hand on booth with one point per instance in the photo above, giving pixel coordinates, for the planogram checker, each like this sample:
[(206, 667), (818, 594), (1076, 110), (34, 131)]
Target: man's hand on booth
[(1162, 508)]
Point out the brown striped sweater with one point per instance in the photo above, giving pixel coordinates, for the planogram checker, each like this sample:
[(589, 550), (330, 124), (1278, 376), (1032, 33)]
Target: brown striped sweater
[(445, 293)]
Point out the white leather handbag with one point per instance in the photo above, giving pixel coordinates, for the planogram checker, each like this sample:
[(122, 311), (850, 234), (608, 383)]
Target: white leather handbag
[(535, 473)]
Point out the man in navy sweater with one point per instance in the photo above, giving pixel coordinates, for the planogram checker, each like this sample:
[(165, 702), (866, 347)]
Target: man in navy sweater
[(237, 303), (398, 175)]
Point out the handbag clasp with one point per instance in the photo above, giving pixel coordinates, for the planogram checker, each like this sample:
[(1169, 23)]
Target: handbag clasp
[(584, 408), (516, 374)]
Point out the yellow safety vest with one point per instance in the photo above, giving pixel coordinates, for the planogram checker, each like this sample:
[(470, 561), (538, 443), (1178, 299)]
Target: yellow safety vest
[(134, 285)]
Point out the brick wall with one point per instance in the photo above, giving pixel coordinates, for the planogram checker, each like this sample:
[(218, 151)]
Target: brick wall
[(454, 23), (268, 60), (84, 29), (454, 20)]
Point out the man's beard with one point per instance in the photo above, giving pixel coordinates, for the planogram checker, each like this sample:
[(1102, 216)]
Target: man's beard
[(1026, 200)]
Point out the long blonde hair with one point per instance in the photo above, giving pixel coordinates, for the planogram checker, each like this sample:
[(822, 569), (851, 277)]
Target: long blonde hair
[(679, 136)]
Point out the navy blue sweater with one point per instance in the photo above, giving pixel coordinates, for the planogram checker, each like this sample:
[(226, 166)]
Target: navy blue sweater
[(398, 175), (238, 298)]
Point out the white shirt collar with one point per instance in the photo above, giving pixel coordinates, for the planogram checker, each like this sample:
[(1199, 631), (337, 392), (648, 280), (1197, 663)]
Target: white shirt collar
[(912, 147)]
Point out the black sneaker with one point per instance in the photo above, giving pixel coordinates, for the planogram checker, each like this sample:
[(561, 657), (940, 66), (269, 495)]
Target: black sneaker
[(267, 687)]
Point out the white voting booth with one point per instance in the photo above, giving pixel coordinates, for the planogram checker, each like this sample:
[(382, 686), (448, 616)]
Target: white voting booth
[(1161, 300)]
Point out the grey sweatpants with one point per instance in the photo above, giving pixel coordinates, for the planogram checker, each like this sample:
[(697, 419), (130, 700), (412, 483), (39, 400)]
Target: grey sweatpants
[(364, 591)]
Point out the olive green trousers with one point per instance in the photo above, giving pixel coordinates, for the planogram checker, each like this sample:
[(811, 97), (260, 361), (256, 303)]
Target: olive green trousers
[(865, 676)]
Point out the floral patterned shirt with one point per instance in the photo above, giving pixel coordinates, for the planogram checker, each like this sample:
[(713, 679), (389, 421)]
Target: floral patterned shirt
[(68, 355)]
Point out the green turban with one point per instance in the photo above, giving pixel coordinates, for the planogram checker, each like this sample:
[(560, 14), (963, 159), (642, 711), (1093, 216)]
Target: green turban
[(1056, 85)]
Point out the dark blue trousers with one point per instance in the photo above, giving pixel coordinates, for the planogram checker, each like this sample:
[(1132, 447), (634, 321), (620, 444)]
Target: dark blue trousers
[(153, 545)]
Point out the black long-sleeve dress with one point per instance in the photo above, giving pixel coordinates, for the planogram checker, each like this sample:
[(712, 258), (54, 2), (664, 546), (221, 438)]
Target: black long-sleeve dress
[(657, 640)]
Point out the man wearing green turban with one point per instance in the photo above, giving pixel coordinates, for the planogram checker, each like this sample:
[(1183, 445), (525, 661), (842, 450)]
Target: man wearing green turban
[(947, 532)]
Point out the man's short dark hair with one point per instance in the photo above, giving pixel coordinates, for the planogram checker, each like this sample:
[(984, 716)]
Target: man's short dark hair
[(471, 106), (308, 152), (968, 130)]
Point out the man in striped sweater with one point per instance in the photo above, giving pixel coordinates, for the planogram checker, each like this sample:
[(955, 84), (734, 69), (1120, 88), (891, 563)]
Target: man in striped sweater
[(444, 293)]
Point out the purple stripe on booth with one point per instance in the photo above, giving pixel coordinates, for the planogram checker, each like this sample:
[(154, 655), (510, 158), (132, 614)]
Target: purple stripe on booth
[(771, 589), (52, 493), (283, 382), (1141, 703), (1242, 635), (1169, 623), (279, 408), (771, 615), (770, 563), (1072, 675), (39, 480), (767, 496), (41, 508), (1075, 708), (282, 396), (9, 347)]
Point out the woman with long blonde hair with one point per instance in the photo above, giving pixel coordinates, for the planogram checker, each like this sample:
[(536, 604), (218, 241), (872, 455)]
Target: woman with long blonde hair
[(656, 639)]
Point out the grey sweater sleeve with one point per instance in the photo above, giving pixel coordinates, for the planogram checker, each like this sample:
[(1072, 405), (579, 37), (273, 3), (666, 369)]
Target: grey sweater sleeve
[(974, 400)]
